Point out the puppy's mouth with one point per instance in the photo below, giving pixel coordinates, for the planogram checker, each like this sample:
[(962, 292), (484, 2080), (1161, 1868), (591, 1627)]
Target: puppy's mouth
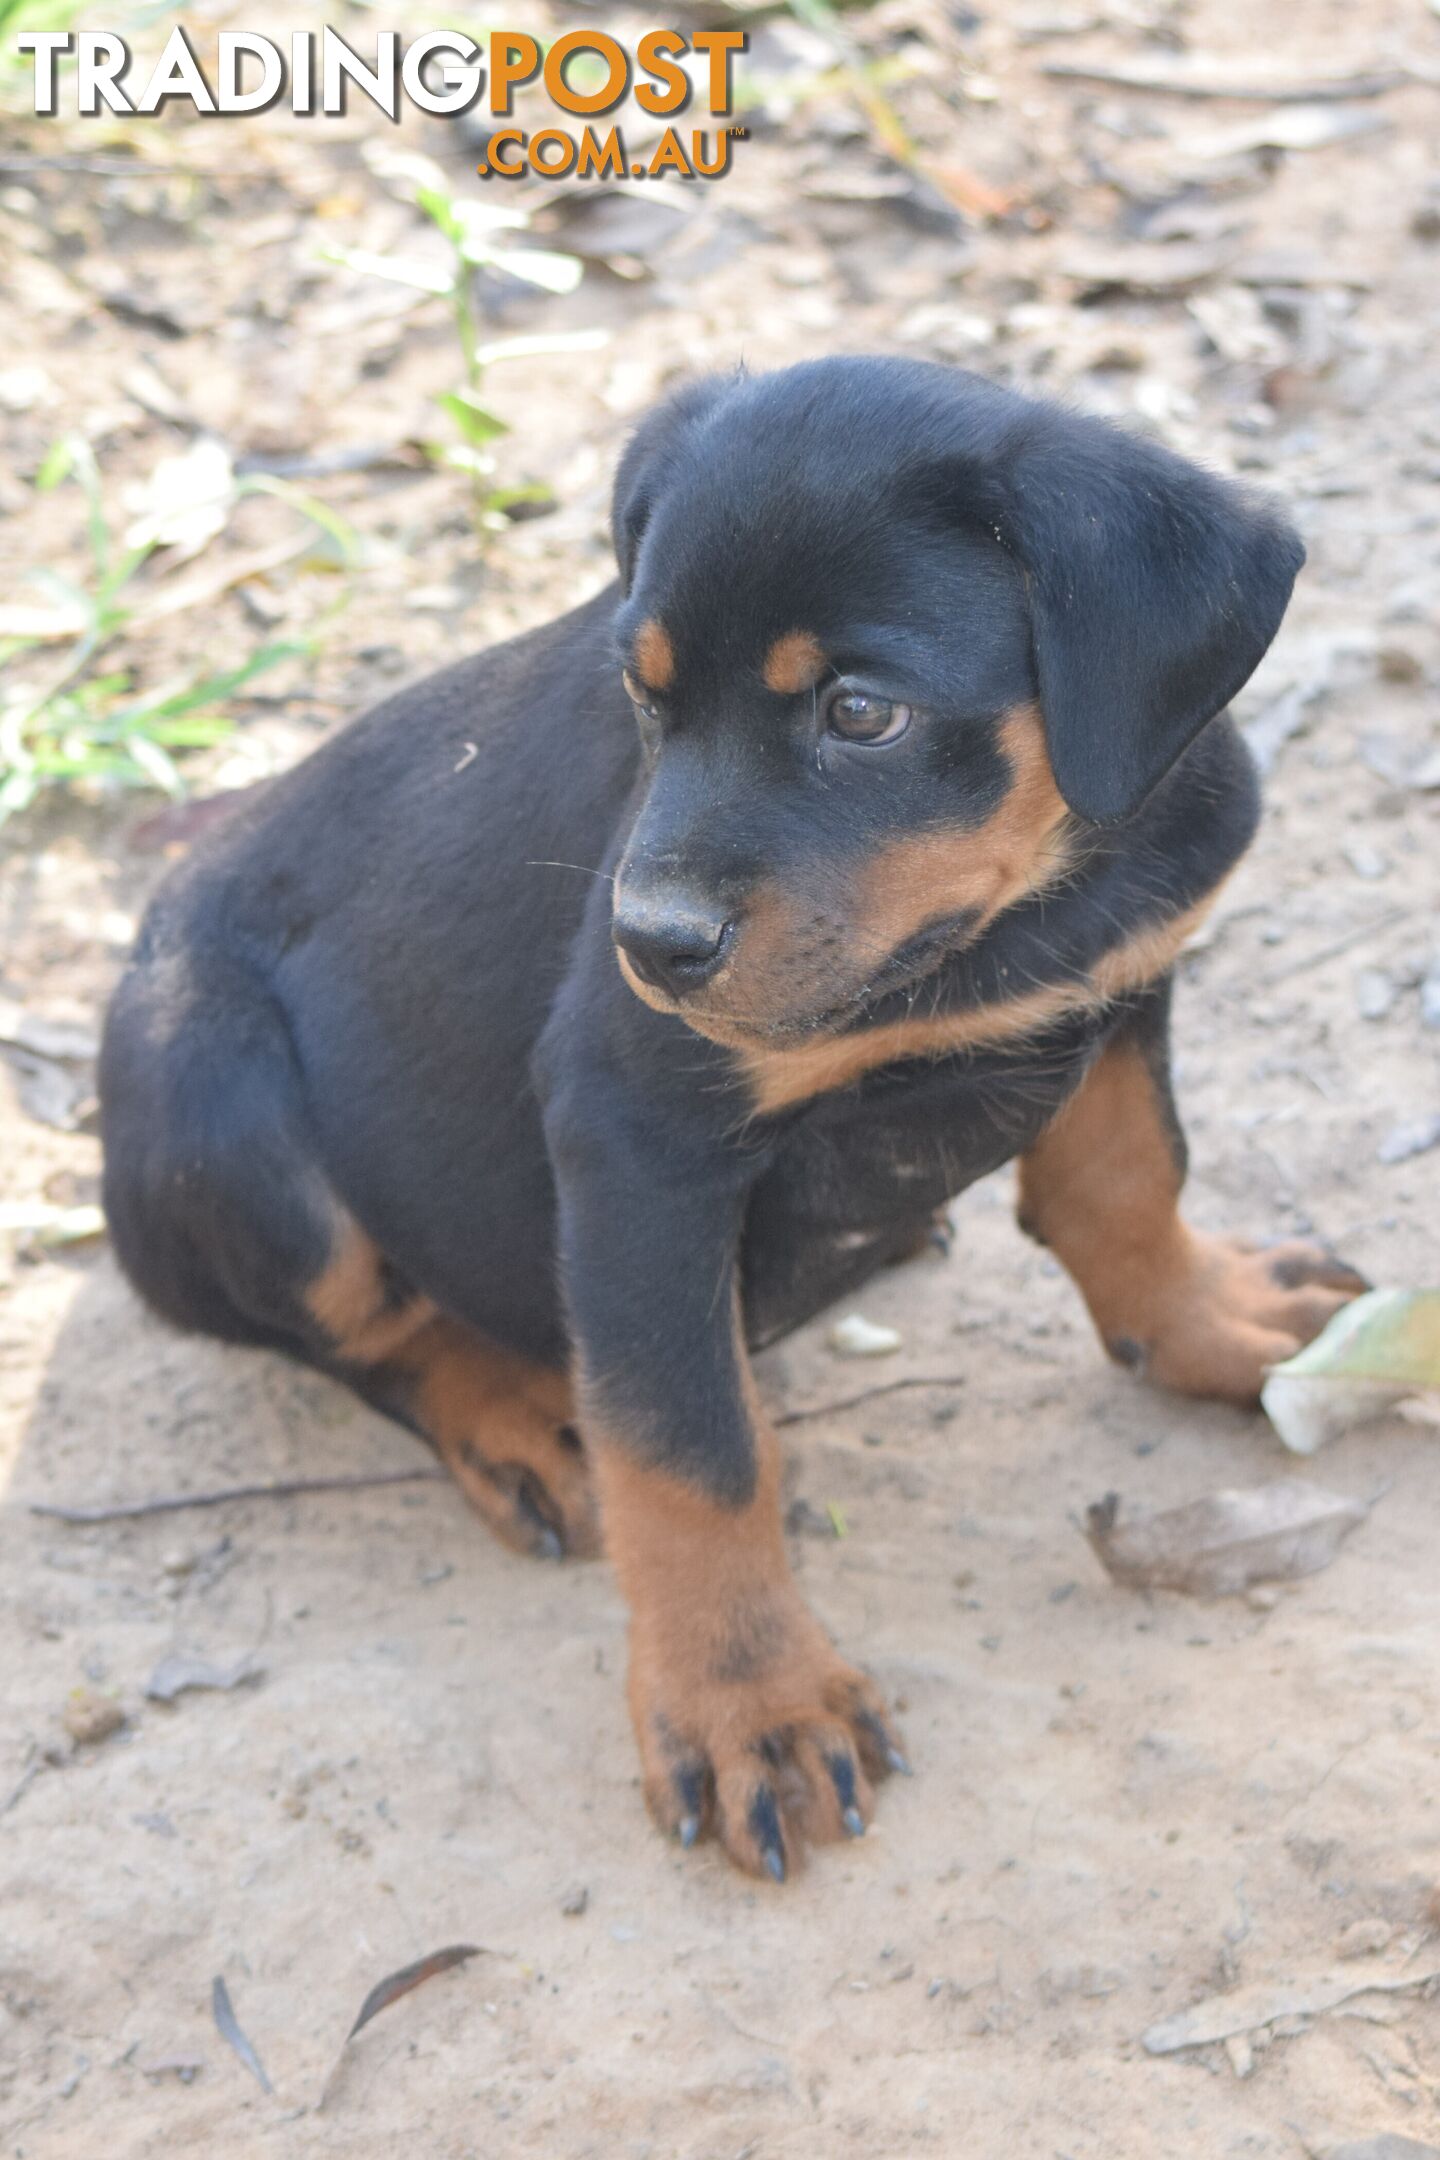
[(899, 978)]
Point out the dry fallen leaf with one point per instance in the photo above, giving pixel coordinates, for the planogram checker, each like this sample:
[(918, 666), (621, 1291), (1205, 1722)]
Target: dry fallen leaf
[(1288, 127), (186, 501), (1219, 1545), (1388, 2147), (1174, 266), (1376, 1351), (51, 1060), (229, 2028), (390, 1990), (396, 1984), (1248, 2009), (1416, 1136), (182, 1670), (41, 1223)]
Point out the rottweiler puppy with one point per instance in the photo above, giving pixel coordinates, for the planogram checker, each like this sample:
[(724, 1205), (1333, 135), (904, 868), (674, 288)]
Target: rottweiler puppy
[(608, 1004)]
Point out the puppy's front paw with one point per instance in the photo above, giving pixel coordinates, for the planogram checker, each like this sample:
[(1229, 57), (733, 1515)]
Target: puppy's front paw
[(1234, 1310), (753, 1729)]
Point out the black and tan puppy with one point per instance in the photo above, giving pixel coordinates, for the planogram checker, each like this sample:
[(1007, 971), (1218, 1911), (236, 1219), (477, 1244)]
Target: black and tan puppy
[(896, 752)]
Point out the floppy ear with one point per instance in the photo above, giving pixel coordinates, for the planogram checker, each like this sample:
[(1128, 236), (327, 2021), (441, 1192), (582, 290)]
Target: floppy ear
[(1155, 589), (648, 457)]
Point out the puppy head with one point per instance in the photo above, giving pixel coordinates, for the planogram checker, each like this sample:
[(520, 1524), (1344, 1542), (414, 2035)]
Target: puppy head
[(895, 639)]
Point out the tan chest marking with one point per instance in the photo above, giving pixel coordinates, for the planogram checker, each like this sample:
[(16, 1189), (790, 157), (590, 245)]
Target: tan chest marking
[(779, 1079)]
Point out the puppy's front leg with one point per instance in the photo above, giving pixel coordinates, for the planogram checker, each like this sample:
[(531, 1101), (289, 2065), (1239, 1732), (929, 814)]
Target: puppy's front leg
[(750, 1724), (1101, 1187)]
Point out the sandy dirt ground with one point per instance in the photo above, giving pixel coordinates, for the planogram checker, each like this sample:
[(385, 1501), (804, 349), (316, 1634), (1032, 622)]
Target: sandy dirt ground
[(1124, 1805)]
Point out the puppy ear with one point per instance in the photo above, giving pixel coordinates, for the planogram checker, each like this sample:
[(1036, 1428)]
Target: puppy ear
[(1155, 589), (649, 456)]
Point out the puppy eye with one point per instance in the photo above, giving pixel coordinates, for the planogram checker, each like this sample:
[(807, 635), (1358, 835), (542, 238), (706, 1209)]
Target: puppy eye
[(854, 717), (638, 699)]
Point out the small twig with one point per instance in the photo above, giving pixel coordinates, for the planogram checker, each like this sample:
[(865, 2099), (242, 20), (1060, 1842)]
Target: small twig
[(28, 1776), (291, 1488), (287, 1489), (1333, 91), (324, 464), (1332, 951), (852, 1402), (106, 168)]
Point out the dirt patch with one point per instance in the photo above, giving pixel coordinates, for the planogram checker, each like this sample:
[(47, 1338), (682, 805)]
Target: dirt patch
[(1123, 1804)]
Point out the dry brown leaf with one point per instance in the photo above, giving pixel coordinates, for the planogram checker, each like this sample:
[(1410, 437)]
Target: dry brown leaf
[(1220, 1545), (396, 1984)]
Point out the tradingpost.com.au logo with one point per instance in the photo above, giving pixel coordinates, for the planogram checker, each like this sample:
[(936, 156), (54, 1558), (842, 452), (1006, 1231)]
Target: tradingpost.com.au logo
[(443, 72)]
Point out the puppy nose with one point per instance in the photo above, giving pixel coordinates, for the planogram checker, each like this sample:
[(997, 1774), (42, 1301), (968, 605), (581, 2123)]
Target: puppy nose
[(674, 944)]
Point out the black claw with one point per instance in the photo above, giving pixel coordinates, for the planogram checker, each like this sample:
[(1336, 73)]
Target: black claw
[(883, 1747), (534, 1507), (842, 1777), (765, 1829), (854, 1822), (689, 1783)]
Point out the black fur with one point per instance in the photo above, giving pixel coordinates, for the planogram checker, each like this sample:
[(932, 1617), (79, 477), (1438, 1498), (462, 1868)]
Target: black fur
[(391, 982)]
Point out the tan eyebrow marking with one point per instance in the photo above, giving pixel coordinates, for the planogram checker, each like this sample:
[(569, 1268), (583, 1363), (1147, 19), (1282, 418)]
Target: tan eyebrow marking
[(654, 655), (793, 663)]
